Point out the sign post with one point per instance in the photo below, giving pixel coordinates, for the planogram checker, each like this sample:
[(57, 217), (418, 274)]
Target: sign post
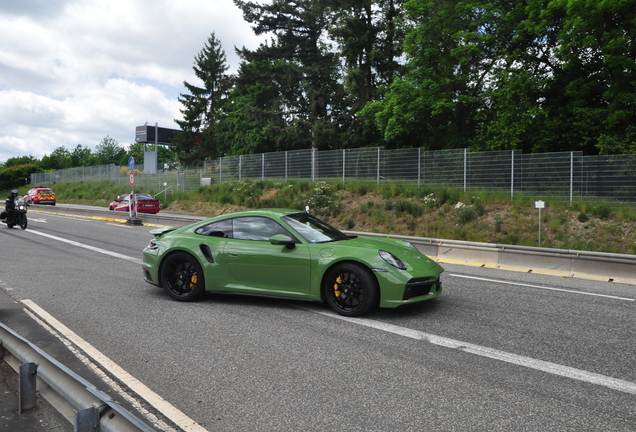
[(132, 202), (539, 205)]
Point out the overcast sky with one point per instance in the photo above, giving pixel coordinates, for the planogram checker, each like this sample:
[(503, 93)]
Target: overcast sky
[(75, 71)]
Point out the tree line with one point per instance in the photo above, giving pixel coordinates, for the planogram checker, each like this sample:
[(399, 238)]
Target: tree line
[(534, 75), (17, 170)]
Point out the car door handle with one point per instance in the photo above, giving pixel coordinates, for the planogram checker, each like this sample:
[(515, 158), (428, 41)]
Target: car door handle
[(232, 254)]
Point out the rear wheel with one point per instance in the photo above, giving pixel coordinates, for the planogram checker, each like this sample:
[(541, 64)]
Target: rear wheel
[(182, 277), (351, 289)]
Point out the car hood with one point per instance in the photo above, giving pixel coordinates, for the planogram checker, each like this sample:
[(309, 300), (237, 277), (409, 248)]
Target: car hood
[(399, 248)]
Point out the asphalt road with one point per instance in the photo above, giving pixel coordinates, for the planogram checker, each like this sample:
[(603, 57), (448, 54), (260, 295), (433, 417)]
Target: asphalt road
[(497, 351)]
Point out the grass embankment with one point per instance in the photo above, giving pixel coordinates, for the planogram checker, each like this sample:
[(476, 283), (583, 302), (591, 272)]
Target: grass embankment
[(428, 212)]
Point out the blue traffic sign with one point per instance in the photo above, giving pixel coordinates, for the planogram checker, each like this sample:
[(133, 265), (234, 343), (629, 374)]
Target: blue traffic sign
[(131, 164)]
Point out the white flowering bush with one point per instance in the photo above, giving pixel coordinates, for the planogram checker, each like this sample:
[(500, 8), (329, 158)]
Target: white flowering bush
[(321, 197)]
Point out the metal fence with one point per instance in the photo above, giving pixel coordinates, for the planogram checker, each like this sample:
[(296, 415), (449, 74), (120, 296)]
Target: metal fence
[(568, 175)]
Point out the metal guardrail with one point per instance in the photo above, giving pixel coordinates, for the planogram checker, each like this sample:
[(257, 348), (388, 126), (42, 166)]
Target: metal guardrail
[(79, 401), (610, 267)]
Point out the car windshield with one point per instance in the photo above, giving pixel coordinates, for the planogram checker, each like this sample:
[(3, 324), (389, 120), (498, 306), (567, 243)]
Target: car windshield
[(313, 230)]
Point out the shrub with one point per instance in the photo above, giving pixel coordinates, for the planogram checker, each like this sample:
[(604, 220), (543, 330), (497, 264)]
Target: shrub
[(583, 217), (602, 211), (466, 214), (448, 196), (321, 197), (408, 207)]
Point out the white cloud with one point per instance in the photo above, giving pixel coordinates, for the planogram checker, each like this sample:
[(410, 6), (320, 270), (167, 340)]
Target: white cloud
[(72, 72)]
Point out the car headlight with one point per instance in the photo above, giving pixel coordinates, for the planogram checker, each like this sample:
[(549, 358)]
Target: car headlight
[(408, 244), (392, 259)]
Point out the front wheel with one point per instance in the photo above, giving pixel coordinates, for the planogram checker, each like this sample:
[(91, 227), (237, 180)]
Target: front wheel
[(182, 277), (23, 221), (351, 289)]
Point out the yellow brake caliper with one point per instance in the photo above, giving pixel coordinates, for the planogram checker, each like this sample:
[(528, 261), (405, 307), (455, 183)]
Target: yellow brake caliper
[(336, 286), (193, 281)]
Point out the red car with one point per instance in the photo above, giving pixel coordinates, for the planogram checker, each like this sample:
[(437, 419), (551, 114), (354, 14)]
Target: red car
[(145, 203), (40, 195)]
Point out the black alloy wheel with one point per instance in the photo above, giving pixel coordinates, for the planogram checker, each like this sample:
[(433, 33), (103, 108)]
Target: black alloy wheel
[(182, 277), (351, 289)]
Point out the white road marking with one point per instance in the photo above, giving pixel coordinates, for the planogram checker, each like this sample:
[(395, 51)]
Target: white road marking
[(85, 246), (75, 218), (124, 394), (118, 225), (542, 287), (37, 220), (163, 406), (540, 365)]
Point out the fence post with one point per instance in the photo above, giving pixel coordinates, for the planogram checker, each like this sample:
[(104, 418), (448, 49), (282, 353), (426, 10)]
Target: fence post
[(378, 168), (343, 165), (512, 177), (286, 166), (465, 169), (571, 175), (313, 165), (263, 167), (419, 166)]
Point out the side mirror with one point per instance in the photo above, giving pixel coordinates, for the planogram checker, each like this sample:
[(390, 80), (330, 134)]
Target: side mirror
[(282, 239)]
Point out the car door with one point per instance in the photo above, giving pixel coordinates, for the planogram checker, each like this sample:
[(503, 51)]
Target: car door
[(262, 267)]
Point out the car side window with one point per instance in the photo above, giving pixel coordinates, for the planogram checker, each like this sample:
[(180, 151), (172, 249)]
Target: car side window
[(217, 229), (257, 228)]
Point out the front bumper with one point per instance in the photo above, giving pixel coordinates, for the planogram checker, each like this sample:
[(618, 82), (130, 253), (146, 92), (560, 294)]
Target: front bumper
[(414, 290)]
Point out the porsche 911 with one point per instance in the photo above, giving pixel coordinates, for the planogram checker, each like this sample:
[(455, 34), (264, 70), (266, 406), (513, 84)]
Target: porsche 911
[(291, 254)]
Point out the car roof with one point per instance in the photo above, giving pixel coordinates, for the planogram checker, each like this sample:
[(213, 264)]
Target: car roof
[(272, 212)]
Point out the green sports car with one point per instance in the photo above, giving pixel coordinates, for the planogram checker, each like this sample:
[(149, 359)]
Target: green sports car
[(291, 254)]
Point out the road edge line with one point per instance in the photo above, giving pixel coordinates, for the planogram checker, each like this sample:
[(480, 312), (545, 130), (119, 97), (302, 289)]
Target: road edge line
[(156, 401)]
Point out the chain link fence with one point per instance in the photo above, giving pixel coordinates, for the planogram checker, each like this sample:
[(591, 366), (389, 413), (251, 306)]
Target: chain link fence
[(567, 175)]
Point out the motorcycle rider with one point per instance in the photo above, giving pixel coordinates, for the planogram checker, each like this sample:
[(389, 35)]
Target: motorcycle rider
[(9, 204)]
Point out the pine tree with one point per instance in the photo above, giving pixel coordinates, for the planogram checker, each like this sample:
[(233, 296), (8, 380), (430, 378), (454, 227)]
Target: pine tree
[(203, 107)]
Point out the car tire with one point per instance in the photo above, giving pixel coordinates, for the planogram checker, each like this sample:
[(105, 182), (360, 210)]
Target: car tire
[(351, 289), (182, 277)]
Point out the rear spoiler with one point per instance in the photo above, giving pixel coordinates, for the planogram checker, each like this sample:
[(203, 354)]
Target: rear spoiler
[(158, 232)]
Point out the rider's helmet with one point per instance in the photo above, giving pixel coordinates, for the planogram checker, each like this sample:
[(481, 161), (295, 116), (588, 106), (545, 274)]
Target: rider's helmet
[(14, 192)]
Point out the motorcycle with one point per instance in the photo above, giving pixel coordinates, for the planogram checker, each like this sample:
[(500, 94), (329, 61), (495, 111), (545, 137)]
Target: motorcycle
[(17, 215)]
